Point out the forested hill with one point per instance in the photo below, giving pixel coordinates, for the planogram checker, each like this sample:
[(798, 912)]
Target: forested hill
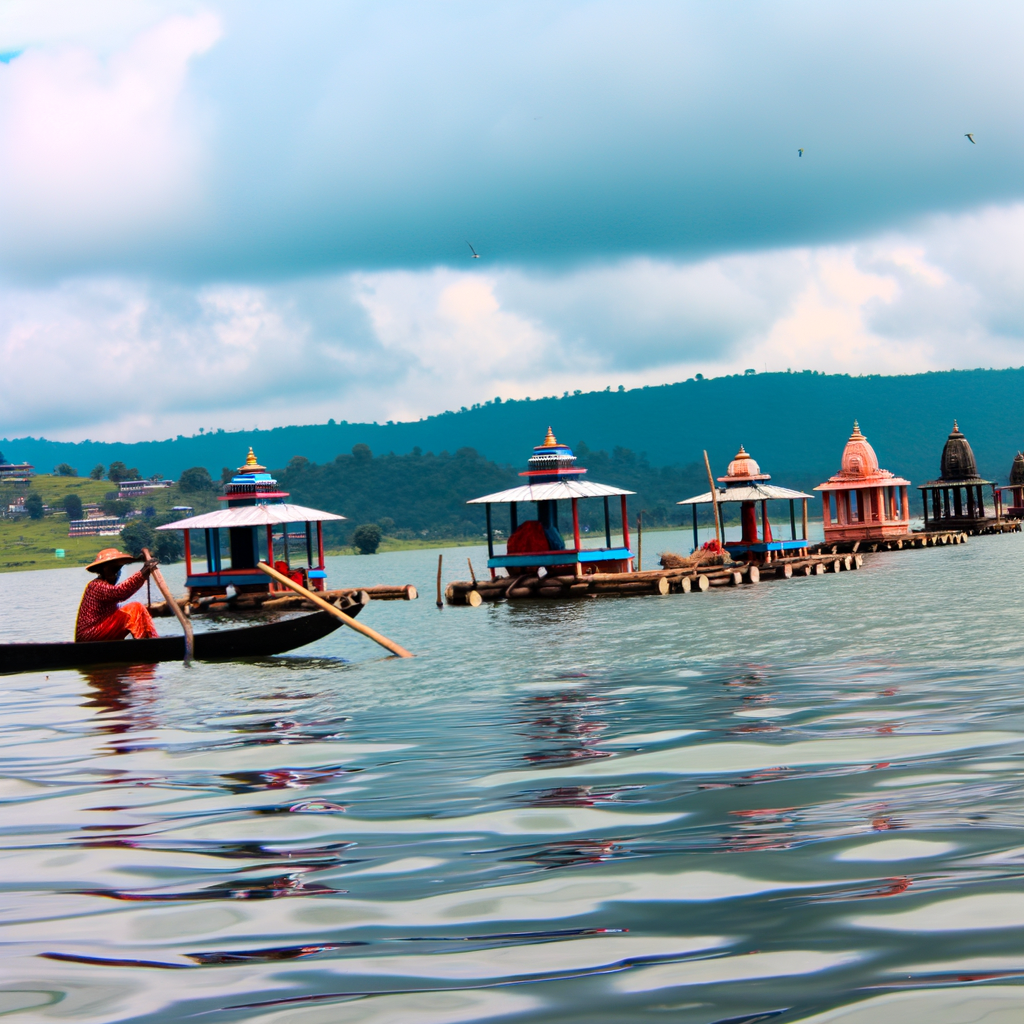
[(795, 424)]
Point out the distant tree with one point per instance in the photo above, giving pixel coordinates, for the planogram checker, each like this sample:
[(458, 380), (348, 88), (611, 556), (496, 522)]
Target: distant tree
[(73, 506), (226, 474), (34, 505), (168, 546), (387, 525), (119, 471), (194, 480), (148, 512), (65, 470), (97, 472), (136, 536), (367, 538), (3, 461), (297, 464), (361, 452), (117, 507)]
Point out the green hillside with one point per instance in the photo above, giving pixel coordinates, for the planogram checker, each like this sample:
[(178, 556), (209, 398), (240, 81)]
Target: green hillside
[(795, 424)]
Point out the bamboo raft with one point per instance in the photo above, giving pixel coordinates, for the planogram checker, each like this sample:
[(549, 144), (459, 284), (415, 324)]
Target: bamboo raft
[(688, 580), (345, 598), (918, 539)]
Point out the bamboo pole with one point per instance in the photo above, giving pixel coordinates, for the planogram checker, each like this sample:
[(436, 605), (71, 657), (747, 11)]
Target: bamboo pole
[(714, 499), (336, 612), (440, 603), (186, 626), (472, 575)]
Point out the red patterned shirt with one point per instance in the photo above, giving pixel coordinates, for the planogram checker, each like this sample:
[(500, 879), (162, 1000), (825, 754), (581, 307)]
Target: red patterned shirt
[(100, 601)]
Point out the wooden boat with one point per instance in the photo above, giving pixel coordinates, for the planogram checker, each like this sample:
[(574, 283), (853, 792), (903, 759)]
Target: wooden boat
[(217, 645)]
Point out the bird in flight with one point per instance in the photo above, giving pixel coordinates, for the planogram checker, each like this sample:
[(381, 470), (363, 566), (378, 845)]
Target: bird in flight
[(476, 255), (799, 152), (970, 135)]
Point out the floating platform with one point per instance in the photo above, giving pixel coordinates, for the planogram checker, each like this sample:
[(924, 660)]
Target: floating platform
[(655, 582), (917, 539), (345, 598)]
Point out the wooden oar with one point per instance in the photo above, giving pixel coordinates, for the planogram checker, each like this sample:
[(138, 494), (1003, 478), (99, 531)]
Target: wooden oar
[(337, 612), (190, 643)]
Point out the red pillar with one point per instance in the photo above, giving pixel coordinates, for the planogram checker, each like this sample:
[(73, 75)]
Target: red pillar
[(826, 508), (575, 524), (188, 552), (625, 523)]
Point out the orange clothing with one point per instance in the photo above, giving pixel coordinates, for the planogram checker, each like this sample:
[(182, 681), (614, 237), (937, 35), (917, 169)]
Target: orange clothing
[(99, 617)]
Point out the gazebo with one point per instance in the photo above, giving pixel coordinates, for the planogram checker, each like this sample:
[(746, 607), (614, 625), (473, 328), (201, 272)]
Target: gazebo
[(747, 485), (535, 543), (956, 500), (869, 503), (1015, 509), (255, 508)]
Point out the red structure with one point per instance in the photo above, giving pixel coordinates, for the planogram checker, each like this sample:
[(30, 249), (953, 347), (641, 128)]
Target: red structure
[(863, 502), (1015, 508)]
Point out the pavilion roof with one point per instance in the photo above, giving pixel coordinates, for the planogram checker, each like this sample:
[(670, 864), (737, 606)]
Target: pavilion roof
[(559, 490), (971, 481), (750, 492), (252, 515)]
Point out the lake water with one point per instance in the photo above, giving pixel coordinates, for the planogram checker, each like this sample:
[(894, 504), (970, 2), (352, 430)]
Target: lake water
[(795, 801)]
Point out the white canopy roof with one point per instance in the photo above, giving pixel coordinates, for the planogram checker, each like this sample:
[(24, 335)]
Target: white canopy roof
[(251, 515), (559, 490), (748, 492)]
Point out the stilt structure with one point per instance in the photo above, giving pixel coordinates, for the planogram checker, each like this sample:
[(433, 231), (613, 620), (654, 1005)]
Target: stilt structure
[(537, 543), (863, 502), (957, 499), (1014, 509), (747, 485)]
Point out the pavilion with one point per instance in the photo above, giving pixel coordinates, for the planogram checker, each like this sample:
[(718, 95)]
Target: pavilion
[(255, 507), (869, 503), (747, 485), (1015, 510), (537, 543), (956, 500)]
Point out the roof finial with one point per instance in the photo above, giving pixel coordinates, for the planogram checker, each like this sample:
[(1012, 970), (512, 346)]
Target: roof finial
[(856, 432), (956, 429), (250, 459), (549, 440)]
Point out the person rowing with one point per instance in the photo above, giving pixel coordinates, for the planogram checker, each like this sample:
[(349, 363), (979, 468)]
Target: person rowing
[(99, 614)]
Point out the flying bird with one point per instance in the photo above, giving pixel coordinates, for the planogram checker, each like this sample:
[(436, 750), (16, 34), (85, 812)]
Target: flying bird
[(799, 152), (970, 135), (476, 255)]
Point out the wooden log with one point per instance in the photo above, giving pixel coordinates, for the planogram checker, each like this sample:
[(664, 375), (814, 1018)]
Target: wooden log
[(517, 593), (819, 568), (847, 563), (782, 572), (754, 574), (684, 584), (702, 582), (579, 589), (858, 561), (720, 581), (550, 591), (473, 599), (735, 578), (405, 592)]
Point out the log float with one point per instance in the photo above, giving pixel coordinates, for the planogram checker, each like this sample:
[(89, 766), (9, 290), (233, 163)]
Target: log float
[(281, 600), (653, 582)]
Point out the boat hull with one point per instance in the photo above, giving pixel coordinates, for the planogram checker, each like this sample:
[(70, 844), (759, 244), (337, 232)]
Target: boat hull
[(219, 645)]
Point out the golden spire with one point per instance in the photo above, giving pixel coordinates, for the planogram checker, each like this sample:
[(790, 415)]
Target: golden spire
[(549, 440), (251, 465), (742, 454), (856, 435), (250, 459)]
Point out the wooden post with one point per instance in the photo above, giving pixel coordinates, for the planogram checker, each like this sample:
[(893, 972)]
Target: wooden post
[(607, 524), (190, 644), (309, 545), (805, 519), (696, 536), (320, 544), (188, 553), (639, 540), (826, 508), (472, 575), (490, 539), (792, 519), (575, 524), (270, 544), (764, 523), (337, 612), (714, 499), (625, 524), (513, 517), (440, 603)]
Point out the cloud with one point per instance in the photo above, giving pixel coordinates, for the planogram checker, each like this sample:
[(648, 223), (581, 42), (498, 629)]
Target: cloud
[(257, 140), (126, 358)]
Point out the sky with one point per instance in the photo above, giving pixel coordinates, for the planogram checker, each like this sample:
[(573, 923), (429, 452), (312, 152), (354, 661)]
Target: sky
[(238, 214)]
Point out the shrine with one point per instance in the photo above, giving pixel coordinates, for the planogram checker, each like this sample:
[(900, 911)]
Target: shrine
[(1015, 508), (538, 543), (747, 485), (863, 502), (956, 500), (255, 508)]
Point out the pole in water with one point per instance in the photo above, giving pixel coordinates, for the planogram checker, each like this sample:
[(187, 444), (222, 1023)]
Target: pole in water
[(714, 499), (472, 575), (440, 603), (173, 605)]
